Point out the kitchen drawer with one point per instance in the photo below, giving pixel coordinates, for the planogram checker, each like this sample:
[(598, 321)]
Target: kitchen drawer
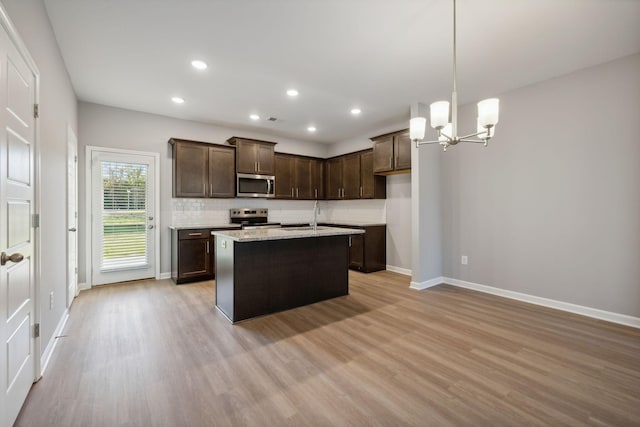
[(197, 233)]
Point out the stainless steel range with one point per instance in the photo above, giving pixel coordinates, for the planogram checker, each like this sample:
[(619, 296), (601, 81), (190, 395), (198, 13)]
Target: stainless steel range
[(251, 218)]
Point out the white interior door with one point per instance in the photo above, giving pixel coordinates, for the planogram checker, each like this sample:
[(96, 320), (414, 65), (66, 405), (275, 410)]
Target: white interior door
[(72, 216), (17, 263), (123, 212)]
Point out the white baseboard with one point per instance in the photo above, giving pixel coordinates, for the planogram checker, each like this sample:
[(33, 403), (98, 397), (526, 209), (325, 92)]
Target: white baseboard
[(165, 276), (82, 286), (400, 270), (609, 316), (51, 345), (428, 284)]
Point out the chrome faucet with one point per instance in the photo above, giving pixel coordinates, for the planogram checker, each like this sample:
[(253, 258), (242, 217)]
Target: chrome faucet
[(315, 216)]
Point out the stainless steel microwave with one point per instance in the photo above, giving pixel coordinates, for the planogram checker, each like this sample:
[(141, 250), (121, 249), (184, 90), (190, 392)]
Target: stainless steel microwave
[(249, 185)]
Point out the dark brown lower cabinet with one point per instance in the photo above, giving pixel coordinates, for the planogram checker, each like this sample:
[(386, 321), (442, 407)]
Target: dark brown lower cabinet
[(193, 254), (356, 251), (262, 277), (368, 251)]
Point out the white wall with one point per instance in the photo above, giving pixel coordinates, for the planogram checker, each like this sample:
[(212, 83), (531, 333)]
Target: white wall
[(399, 222), (57, 109), (426, 215), (552, 207), (118, 128)]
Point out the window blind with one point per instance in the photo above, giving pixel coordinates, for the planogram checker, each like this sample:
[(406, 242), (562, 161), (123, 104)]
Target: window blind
[(124, 215)]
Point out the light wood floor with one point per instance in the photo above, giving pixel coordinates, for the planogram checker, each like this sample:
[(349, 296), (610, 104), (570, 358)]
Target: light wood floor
[(156, 354)]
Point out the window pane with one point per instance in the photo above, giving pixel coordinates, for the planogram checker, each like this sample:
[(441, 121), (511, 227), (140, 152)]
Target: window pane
[(124, 215)]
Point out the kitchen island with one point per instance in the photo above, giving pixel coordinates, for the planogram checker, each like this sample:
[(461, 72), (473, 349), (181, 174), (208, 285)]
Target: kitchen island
[(264, 271)]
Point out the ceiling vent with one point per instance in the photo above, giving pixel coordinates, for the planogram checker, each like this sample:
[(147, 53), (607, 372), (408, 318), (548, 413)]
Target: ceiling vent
[(272, 119)]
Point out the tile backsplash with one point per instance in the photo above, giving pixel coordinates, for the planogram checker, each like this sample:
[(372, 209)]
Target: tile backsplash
[(216, 211)]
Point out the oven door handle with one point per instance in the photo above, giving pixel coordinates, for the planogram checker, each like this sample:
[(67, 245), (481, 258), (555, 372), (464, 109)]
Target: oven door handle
[(268, 186)]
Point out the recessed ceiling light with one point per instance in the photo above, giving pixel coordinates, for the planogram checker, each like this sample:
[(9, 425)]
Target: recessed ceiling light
[(356, 111), (292, 92), (199, 65), (254, 117), (311, 128), (177, 100)]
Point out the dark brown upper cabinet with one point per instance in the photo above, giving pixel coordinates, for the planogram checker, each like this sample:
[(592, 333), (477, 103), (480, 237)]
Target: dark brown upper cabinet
[(317, 178), (284, 177), (333, 175), (392, 153), (202, 170), (351, 174), (222, 177), (254, 156), (298, 177), (351, 177)]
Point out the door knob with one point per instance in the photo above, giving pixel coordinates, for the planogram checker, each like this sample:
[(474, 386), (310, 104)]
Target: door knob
[(13, 258), (73, 229), (150, 227)]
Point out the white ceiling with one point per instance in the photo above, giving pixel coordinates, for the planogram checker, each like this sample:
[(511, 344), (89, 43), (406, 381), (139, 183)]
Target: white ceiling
[(379, 55)]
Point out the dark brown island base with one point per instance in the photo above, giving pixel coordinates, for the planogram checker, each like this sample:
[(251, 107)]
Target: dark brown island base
[(260, 272)]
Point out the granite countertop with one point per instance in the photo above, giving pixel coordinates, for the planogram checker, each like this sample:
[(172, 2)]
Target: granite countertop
[(196, 226), (347, 223), (283, 233), (354, 223)]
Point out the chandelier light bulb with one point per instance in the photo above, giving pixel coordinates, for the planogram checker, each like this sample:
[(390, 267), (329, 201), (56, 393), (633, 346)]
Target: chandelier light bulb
[(482, 131), (417, 127), (439, 114), (488, 112)]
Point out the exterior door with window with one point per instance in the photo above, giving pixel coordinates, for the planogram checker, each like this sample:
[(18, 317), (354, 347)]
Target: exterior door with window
[(123, 220)]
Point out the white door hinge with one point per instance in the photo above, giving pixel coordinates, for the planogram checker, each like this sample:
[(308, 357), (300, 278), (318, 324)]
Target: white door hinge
[(35, 220), (36, 330), (36, 110)]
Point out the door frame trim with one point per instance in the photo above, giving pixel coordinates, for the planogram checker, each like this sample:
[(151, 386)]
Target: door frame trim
[(89, 150), (14, 37), (70, 133)]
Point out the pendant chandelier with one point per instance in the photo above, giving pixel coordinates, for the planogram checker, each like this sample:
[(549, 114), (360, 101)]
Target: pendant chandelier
[(446, 128)]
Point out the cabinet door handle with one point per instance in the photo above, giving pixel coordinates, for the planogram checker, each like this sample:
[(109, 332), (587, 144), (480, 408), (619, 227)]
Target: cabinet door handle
[(292, 192), (297, 193), (350, 241), (207, 246), (360, 191), (211, 189), (195, 234), (204, 188), (316, 193)]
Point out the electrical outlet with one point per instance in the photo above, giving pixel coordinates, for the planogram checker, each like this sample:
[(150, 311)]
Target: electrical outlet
[(51, 301), (464, 260)]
